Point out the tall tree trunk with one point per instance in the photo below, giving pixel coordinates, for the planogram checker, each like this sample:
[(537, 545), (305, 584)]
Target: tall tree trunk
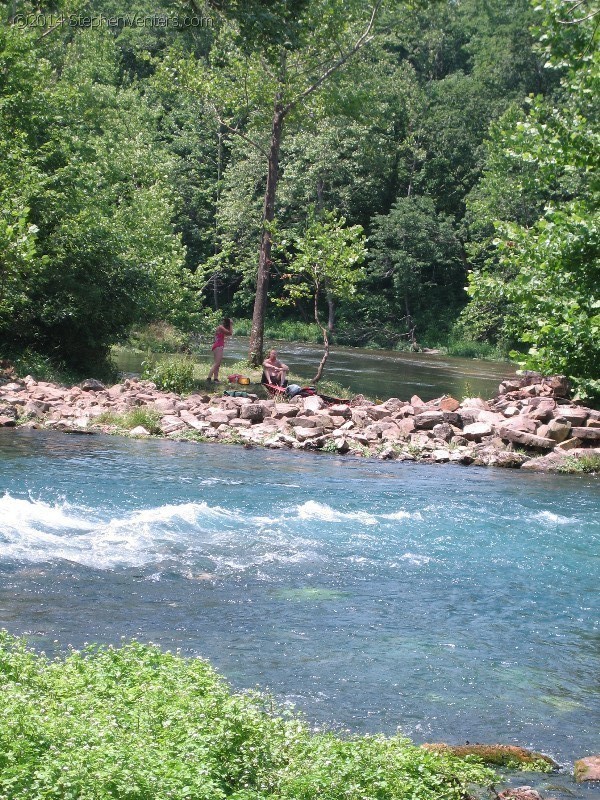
[(321, 367), (256, 347)]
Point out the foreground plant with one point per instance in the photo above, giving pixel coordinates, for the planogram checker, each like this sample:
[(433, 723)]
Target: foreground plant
[(137, 723)]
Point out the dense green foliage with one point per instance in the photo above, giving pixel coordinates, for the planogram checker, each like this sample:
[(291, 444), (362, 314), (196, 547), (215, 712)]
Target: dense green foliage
[(538, 209), (134, 723), (462, 138)]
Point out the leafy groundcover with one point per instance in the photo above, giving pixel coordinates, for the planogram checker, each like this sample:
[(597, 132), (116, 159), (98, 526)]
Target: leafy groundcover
[(135, 722)]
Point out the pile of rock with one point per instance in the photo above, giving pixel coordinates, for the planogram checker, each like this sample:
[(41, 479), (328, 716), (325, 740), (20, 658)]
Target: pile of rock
[(530, 424)]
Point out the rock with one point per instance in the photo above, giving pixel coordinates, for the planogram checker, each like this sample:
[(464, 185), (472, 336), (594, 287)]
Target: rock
[(547, 463), (313, 403), (236, 423), (8, 411), (475, 402), (255, 412), (342, 445), (476, 431), (139, 431), (170, 424), (449, 404), (193, 421), (498, 754), (526, 439), (587, 769), (92, 385), (218, 418), (7, 422), (558, 429), (282, 410), (587, 434), (340, 410), (302, 434), (378, 412), (428, 419), (507, 459), (443, 431), (567, 445), (386, 453), (576, 416), (440, 456), (520, 423), (520, 793), (303, 422)]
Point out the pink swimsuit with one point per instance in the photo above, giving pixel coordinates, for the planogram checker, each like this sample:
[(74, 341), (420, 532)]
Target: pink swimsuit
[(219, 340)]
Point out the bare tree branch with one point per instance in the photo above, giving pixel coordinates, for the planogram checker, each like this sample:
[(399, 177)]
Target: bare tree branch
[(364, 39), (239, 133)]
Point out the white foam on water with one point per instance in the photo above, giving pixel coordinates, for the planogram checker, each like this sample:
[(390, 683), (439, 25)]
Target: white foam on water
[(311, 510), (180, 534), (551, 518)]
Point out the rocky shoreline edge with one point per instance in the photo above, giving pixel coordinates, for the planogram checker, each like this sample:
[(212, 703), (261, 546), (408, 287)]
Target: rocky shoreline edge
[(531, 424)]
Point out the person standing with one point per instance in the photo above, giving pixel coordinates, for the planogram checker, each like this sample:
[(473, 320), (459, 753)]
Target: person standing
[(223, 330)]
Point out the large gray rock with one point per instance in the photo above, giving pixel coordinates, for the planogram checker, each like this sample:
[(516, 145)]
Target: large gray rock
[(92, 385), (428, 419), (255, 412)]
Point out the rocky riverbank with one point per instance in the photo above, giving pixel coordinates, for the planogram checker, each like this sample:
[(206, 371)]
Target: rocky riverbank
[(531, 424)]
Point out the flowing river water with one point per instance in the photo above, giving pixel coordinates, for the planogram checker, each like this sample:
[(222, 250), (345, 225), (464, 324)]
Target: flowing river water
[(449, 603), (376, 373)]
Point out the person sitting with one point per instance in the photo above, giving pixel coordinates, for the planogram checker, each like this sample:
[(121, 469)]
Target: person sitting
[(274, 371)]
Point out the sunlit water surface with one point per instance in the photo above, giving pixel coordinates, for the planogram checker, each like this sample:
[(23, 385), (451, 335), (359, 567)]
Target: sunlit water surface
[(376, 373), (452, 603)]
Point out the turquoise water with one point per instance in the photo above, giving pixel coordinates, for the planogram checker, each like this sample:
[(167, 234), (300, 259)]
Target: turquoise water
[(453, 603)]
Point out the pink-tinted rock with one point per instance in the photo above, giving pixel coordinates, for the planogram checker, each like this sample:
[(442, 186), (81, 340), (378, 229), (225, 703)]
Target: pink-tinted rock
[(520, 423), (526, 439), (449, 404), (170, 424), (7, 422), (476, 431), (587, 769), (587, 434)]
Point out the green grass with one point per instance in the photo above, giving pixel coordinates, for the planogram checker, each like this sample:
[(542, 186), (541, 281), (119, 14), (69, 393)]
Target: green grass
[(146, 417), (574, 465), (135, 723)]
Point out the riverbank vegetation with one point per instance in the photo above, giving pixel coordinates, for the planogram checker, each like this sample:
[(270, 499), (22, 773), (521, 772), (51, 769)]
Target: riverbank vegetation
[(458, 141), (134, 722)]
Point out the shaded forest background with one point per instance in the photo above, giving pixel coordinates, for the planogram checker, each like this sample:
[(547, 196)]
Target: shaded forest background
[(462, 140)]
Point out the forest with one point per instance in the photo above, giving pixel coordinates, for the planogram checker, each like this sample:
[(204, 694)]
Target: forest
[(407, 174)]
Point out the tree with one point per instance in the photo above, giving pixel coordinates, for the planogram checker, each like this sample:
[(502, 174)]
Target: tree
[(276, 56), (415, 251), (324, 260), (552, 298)]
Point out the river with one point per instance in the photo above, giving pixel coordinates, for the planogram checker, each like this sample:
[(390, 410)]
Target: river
[(375, 373), (450, 603)]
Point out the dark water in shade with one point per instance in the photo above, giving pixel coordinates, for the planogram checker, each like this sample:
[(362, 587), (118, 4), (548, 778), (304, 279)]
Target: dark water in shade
[(376, 373), (453, 603)]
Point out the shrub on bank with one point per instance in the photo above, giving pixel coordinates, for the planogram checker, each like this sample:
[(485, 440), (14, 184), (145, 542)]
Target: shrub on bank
[(135, 723), (174, 374)]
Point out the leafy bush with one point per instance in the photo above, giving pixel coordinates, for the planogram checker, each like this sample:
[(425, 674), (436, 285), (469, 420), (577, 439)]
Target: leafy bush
[(170, 374), (146, 417), (135, 723)]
